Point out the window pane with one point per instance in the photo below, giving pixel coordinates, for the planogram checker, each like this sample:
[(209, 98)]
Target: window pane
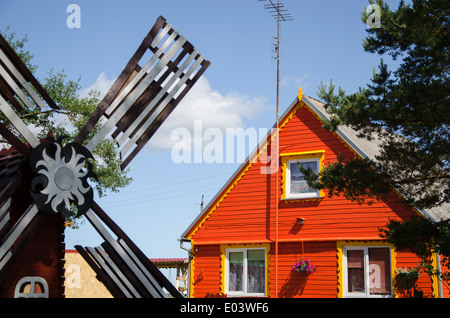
[(355, 271), (38, 288), (297, 182), (256, 271), (379, 271), (236, 281), (25, 288)]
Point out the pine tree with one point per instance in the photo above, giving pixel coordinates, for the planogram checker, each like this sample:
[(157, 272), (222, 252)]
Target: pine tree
[(407, 109)]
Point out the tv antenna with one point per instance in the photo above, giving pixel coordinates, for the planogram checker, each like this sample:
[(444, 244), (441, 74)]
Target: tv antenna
[(280, 14)]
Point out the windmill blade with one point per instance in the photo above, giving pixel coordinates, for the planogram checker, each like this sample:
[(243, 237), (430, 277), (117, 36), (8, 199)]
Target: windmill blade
[(17, 122), (5, 218), (120, 264), (19, 90), (13, 239), (143, 96)]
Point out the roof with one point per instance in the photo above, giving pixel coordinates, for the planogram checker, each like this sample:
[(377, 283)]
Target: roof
[(169, 262), (363, 147), (159, 262), (369, 149)]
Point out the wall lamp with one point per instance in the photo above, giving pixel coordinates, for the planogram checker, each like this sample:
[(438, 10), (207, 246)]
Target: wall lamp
[(301, 221)]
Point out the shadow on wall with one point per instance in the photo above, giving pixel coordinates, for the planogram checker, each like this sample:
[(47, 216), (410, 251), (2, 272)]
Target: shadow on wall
[(294, 285)]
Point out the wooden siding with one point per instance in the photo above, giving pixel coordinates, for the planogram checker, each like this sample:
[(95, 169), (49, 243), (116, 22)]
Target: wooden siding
[(250, 206), (206, 271), (250, 211), (291, 284), (424, 283)]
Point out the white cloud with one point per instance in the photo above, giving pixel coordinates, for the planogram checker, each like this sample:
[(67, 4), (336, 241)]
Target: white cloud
[(102, 84), (203, 104), (296, 82), (215, 111)]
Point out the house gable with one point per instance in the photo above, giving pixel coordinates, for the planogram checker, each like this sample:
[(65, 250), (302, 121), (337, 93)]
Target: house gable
[(244, 210)]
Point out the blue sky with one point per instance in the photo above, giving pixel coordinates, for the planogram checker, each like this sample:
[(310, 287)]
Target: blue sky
[(238, 90)]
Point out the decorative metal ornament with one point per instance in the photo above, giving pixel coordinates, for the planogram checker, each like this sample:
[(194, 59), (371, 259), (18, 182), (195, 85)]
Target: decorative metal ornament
[(62, 175)]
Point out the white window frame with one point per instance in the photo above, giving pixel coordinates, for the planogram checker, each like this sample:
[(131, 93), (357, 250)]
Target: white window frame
[(308, 195), (227, 272), (366, 294)]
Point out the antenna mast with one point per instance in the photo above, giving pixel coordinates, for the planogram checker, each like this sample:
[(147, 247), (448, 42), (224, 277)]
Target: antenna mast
[(280, 14)]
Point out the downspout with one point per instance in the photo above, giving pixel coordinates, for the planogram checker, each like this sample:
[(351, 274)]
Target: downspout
[(439, 278), (276, 217), (190, 257)]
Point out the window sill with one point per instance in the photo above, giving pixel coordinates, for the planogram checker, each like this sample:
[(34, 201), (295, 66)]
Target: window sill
[(362, 295), (301, 200), (246, 296)]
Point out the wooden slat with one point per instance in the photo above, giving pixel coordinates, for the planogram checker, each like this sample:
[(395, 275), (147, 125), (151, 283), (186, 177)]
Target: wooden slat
[(9, 96), (143, 71), (17, 122), (25, 73), (4, 216), (19, 228), (105, 262), (135, 251), (142, 141), (14, 141), (143, 97), (120, 81), (137, 282), (160, 101), (134, 92), (128, 262), (15, 79), (101, 275), (19, 89)]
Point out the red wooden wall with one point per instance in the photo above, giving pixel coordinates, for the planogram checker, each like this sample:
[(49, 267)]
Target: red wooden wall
[(248, 209)]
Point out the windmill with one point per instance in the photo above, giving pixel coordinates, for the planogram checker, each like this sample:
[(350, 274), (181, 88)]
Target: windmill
[(140, 100)]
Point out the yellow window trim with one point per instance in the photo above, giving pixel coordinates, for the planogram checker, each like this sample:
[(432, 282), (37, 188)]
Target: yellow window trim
[(434, 279), (224, 248), (285, 157), (191, 271), (340, 255)]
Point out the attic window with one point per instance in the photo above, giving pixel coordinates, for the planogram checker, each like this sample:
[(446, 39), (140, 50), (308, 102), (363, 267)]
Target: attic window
[(295, 186)]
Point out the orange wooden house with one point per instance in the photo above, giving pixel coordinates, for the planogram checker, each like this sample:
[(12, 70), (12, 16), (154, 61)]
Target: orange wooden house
[(262, 222)]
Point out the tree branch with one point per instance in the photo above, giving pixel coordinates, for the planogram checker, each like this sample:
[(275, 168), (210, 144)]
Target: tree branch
[(419, 179), (43, 112)]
